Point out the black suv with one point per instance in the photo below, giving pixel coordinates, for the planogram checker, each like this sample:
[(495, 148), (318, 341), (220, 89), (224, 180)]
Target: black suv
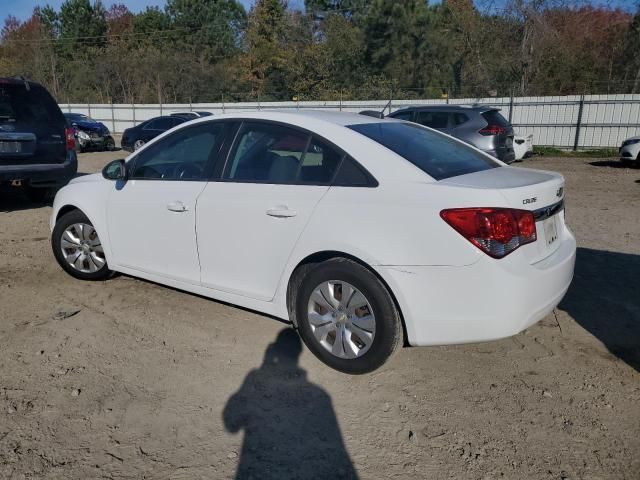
[(37, 147)]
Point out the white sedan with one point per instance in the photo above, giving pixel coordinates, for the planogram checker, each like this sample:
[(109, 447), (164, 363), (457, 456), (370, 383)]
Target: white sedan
[(630, 150), (362, 232)]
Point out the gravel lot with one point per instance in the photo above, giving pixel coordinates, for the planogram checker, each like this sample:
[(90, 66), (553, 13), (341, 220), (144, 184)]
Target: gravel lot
[(129, 379)]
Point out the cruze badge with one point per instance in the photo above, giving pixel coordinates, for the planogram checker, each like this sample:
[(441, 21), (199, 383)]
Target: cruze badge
[(530, 200)]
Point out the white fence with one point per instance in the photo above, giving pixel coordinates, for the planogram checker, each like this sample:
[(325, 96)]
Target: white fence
[(589, 121)]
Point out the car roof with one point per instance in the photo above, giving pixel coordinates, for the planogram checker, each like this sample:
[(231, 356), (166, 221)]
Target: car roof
[(287, 115), (448, 107)]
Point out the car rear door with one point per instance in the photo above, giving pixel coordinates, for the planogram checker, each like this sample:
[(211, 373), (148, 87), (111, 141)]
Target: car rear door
[(32, 128), (249, 221), (151, 216)]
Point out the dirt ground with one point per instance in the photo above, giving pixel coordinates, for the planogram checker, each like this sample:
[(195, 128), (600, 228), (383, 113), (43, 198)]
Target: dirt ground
[(129, 379)]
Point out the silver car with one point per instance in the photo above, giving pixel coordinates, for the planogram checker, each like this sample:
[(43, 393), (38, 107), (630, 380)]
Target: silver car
[(479, 125)]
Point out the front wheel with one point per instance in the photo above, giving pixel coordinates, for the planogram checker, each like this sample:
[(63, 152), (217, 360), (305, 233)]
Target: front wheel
[(346, 316), (77, 247), (138, 144)]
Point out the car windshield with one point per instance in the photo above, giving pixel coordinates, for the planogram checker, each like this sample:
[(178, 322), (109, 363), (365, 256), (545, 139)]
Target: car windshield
[(434, 153)]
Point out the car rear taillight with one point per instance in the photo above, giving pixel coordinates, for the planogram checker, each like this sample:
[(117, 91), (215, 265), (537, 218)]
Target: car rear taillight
[(70, 138), (495, 231), (492, 130)]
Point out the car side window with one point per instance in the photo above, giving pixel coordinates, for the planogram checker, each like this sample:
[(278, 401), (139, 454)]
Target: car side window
[(459, 119), (437, 120), (276, 154), (151, 125), (184, 155), (319, 164), (403, 115), (267, 153)]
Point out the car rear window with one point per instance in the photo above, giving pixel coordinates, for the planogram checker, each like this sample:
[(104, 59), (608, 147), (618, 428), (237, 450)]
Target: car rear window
[(31, 106), (494, 117), (434, 153)]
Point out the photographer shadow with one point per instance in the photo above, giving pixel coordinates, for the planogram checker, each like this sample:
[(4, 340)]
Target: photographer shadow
[(290, 427)]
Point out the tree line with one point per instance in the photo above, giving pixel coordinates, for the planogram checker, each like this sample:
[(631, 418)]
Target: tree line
[(214, 50)]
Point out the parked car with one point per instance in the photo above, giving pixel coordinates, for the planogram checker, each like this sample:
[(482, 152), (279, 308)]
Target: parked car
[(358, 230), (190, 115), (37, 149), (479, 125), (135, 137), (90, 134), (522, 146), (630, 150)]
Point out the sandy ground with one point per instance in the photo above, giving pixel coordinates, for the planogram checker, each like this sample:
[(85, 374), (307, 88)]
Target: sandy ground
[(129, 379)]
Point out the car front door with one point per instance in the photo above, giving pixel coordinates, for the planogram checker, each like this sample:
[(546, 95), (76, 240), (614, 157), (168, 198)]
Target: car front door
[(151, 216), (250, 219)]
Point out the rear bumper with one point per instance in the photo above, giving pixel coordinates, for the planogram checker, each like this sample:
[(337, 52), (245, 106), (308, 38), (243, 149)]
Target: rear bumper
[(487, 300), (42, 174), (506, 155)]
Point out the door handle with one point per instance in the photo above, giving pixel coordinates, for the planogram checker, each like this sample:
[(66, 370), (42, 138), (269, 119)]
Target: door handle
[(177, 206), (281, 212)]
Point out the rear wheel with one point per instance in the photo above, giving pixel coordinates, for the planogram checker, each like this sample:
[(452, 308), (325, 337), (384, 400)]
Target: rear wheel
[(78, 249), (138, 144), (347, 317)]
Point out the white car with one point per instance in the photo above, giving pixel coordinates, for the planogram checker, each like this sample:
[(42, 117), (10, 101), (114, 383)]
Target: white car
[(362, 232), (522, 146), (630, 150)]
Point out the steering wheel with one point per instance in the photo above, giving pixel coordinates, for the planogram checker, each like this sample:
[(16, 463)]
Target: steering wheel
[(186, 171)]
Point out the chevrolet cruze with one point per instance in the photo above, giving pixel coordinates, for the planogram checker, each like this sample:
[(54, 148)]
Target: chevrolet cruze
[(364, 233)]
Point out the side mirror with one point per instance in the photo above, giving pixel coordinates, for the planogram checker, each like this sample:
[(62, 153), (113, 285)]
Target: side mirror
[(115, 170)]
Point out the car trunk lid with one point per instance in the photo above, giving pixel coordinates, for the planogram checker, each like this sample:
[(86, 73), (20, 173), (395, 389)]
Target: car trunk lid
[(539, 191)]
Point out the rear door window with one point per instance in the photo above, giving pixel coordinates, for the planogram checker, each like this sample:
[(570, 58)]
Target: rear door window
[(272, 153), (459, 119), (437, 120), (434, 153)]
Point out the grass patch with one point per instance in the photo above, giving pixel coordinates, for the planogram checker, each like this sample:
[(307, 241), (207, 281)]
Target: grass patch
[(556, 152)]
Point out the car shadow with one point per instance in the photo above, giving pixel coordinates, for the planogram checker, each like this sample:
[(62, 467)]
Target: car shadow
[(604, 299), (611, 164), (290, 427)]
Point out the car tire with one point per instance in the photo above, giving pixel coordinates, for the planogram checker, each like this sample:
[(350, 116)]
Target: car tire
[(77, 247), (109, 144), (368, 335), (138, 144), (39, 195)]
